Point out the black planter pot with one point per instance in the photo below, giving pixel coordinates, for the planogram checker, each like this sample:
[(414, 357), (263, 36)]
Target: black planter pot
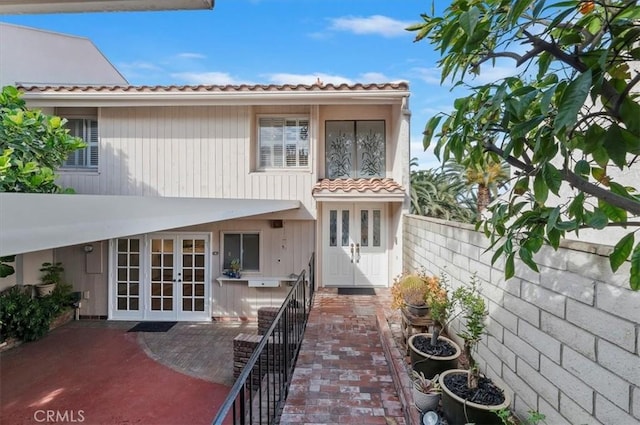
[(431, 365), (458, 411), (418, 310)]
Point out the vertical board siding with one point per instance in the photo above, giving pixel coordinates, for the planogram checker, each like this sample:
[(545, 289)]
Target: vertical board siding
[(284, 251), (186, 152)]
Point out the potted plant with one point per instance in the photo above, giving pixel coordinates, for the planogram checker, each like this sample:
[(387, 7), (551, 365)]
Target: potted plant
[(51, 276), (468, 397), (411, 291), (426, 392), (235, 267), (431, 353)]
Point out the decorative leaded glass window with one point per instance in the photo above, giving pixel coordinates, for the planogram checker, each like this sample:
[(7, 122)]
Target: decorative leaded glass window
[(355, 149)]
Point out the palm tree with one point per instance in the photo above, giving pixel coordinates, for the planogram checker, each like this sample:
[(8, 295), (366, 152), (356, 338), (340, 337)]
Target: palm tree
[(440, 193), (490, 174)]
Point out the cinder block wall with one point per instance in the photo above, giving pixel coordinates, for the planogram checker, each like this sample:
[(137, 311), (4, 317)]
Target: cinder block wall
[(565, 340)]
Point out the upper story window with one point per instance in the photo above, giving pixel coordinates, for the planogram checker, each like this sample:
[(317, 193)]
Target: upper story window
[(355, 149), (87, 130), (283, 142)]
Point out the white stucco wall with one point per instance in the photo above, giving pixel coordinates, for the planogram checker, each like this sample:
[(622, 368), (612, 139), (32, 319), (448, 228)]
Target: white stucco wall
[(565, 340)]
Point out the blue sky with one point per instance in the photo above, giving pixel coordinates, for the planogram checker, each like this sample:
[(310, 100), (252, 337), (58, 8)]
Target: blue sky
[(271, 42)]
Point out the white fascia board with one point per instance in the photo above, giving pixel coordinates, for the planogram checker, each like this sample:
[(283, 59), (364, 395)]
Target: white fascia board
[(361, 197), (11, 7), (33, 222), (117, 99)]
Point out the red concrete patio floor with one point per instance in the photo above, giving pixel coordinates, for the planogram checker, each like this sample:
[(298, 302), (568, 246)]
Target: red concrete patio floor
[(91, 375), (349, 370)]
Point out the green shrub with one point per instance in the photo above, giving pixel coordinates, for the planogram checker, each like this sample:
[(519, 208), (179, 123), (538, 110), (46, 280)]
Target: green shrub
[(26, 318)]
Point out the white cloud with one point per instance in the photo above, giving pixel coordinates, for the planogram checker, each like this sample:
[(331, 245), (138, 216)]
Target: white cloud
[(426, 159), (428, 75), (375, 24), (373, 77), (285, 78), (189, 55), (489, 74), (138, 66), (365, 78), (220, 78)]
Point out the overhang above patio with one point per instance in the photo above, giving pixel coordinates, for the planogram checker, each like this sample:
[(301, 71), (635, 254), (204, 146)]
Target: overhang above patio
[(65, 6), (372, 189), (33, 222)]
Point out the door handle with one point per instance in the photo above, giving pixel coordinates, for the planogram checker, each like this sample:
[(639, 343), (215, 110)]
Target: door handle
[(358, 253), (352, 253)]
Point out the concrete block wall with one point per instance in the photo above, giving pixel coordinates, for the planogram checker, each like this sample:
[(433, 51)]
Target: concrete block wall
[(564, 340)]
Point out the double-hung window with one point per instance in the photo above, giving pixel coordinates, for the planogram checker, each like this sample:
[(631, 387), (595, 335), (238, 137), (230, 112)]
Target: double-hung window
[(87, 130), (283, 142), (242, 246)]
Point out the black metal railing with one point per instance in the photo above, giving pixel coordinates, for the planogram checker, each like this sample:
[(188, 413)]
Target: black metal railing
[(259, 393)]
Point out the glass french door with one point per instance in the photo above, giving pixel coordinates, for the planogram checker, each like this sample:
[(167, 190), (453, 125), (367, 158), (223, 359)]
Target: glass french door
[(161, 277), (354, 245)]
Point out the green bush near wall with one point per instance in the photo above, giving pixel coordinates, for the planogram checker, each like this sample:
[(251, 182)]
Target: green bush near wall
[(26, 318)]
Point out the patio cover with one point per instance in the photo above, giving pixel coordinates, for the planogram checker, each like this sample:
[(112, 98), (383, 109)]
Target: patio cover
[(32, 222)]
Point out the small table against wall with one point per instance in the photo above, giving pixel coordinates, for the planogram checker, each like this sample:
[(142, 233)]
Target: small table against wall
[(411, 322)]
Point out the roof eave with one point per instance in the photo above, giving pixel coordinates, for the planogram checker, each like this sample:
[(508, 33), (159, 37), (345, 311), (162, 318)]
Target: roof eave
[(105, 99), (12, 7)]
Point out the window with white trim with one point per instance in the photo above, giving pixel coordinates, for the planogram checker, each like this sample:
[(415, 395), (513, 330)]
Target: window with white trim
[(283, 142), (87, 130), (242, 246)]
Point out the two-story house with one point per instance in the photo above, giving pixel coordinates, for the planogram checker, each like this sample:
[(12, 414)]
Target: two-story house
[(185, 179)]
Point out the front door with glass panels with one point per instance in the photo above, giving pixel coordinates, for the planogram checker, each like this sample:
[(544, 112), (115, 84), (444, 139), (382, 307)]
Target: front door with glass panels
[(161, 277), (354, 245)]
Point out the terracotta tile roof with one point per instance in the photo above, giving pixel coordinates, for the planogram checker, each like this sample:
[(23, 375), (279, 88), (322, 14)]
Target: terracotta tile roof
[(373, 185), (258, 88)]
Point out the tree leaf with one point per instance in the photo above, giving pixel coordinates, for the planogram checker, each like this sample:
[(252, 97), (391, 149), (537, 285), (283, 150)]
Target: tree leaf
[(615, 214), (521, 129), (469, 20), (572, 101), (621, 251), (552, 177), (582, 168), (554, 237), (509, 267), (634, 280), (540, 189), (600, 175), (429, 130), (615, 146), (553, 218), (597, 219), (527, 258)]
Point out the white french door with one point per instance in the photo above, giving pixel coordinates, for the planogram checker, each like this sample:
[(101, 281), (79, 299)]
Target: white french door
[(354, 244), (161, 277)]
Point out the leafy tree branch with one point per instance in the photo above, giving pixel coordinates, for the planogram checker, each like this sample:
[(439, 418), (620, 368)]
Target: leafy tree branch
[(567, 119)]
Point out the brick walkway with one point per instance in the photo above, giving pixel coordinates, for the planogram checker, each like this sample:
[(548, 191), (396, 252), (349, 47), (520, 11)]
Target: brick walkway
[(342, 375)]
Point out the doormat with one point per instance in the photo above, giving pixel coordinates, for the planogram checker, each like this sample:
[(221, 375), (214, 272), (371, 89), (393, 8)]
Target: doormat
[(356, 291), (152, 327)]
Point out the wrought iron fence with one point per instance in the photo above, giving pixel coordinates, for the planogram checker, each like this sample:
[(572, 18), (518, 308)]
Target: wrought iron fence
[(259, 393)]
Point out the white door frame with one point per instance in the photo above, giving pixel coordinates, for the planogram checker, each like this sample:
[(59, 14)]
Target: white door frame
[(177, 312)]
